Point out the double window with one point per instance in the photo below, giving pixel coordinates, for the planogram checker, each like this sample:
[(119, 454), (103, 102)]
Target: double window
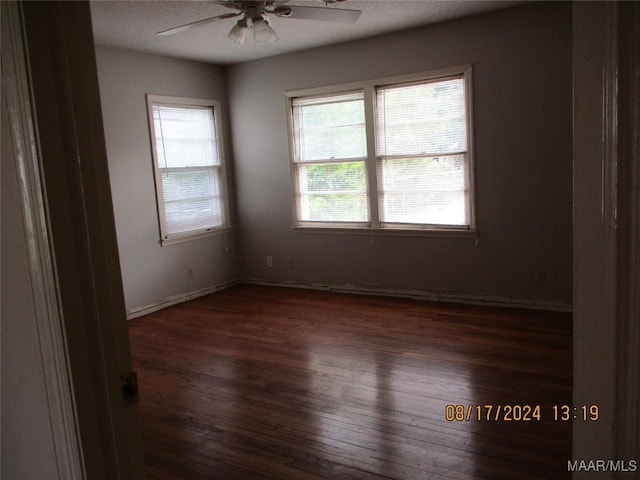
[(393, 154), (189, 167)]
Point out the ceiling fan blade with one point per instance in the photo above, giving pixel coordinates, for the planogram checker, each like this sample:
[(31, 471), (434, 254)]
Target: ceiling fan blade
[(197, 23), (341, 15)]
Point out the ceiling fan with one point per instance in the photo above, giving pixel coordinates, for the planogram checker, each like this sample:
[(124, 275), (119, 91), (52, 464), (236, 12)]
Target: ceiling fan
[(255, 17)]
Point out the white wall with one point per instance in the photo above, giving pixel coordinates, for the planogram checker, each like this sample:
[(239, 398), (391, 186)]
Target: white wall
[(522, 99), (26, 438), (153, 274)]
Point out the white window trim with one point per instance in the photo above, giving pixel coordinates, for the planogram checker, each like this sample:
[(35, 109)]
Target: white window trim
[(185, 102), (374, 226)]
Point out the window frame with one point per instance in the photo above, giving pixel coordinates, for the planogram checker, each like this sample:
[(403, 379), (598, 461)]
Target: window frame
[(199, 103), (374, 225), (297, 165)]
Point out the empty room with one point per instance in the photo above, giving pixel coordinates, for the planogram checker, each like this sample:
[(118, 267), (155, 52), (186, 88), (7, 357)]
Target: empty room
[(325, 239), (261, 381)]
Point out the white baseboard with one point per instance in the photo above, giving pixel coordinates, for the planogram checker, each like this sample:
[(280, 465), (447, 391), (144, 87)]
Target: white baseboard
[(183, 297), (470, 299)]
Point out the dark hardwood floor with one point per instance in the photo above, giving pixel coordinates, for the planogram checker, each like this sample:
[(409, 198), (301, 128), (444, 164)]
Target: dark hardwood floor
[(276, 383)]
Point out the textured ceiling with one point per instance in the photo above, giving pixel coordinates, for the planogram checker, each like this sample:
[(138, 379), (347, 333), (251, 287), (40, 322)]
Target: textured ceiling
[(133, 25)]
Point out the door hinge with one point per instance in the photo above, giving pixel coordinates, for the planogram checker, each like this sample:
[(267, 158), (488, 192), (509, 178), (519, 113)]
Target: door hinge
[(130, 388)]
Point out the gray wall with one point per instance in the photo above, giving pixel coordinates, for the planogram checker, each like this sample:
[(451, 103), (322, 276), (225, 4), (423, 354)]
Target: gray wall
[(153, 274), (522, 124), (27, 442), (522, 100)]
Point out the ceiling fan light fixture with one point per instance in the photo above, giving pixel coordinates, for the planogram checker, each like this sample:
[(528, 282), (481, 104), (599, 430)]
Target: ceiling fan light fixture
[(255, 17), (262, 31), (238, 31)]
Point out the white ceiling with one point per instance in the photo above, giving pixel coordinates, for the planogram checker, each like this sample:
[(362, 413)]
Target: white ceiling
[(133, 25)]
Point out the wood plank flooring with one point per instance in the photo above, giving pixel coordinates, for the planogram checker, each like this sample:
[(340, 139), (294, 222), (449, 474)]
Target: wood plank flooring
[(276, 383)]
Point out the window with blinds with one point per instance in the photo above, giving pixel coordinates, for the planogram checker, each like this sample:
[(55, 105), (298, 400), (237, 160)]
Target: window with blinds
[(329, 153), (422, 164), (418, 177), (188, 166)]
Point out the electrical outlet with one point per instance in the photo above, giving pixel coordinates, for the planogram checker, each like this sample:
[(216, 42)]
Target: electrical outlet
[(289, 262), (190, 274), (269, 261)]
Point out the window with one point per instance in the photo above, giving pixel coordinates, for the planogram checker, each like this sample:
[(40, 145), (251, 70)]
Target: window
[(401, 160), (329, 158), (189, 167)]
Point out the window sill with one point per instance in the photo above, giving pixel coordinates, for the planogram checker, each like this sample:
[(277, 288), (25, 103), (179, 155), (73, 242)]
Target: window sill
[(194, 236), (393, 232)]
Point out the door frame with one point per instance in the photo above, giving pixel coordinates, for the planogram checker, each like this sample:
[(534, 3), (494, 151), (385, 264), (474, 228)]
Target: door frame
[(67, 203), (51, 342), (606, 178)]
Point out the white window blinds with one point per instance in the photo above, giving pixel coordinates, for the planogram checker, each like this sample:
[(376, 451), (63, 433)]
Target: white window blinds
[(385, 154), (329, 152), (421, 138), (188, 169)]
